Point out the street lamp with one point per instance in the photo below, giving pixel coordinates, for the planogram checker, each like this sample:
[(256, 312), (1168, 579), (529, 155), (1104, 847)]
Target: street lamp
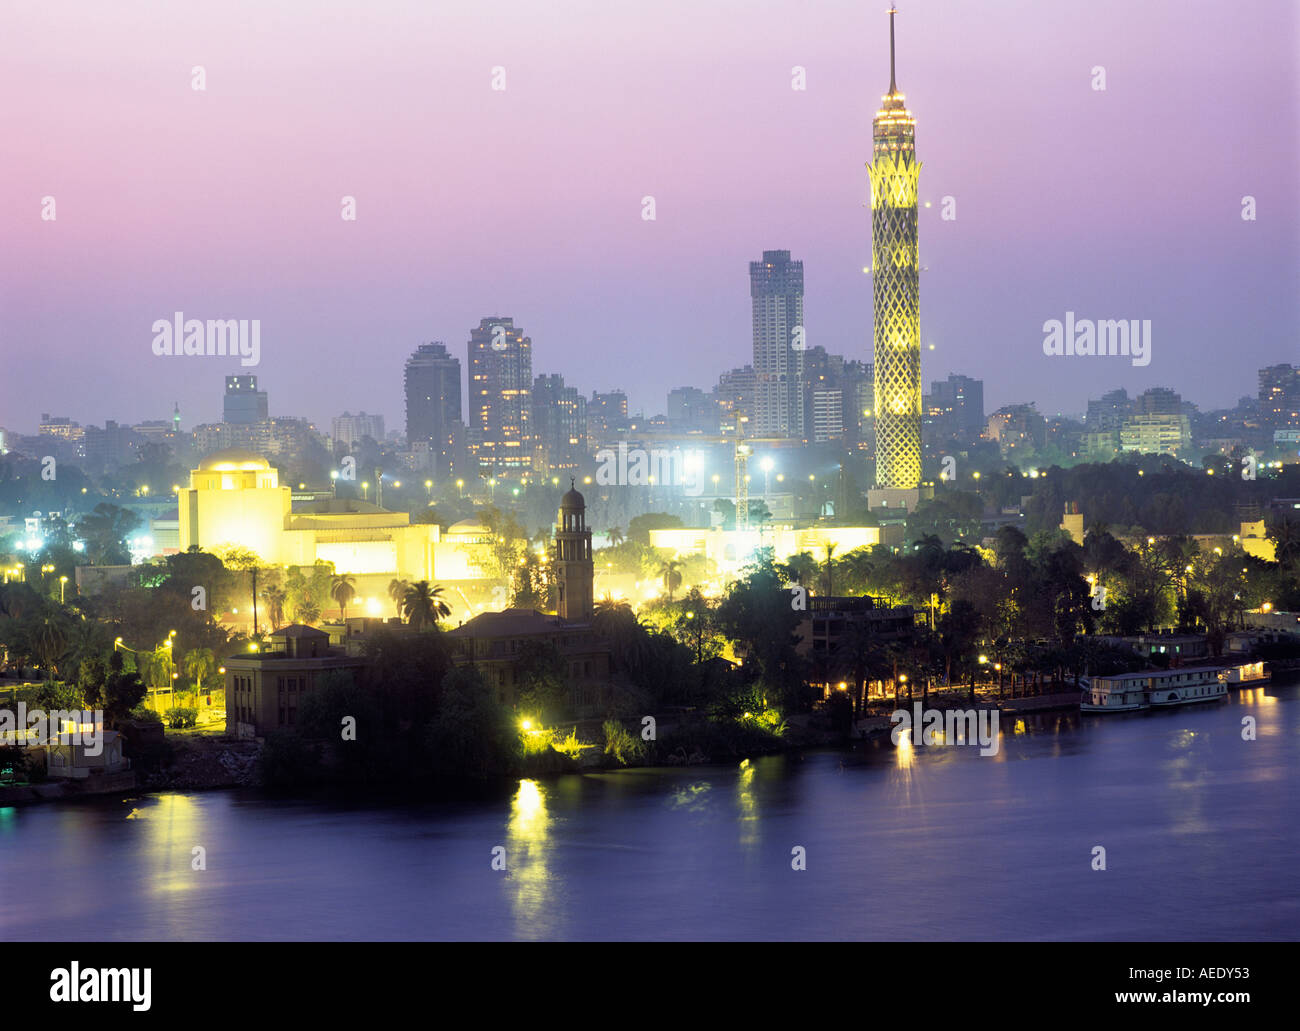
[(63, 582), (334, 482), (428, 487), (766, 465)]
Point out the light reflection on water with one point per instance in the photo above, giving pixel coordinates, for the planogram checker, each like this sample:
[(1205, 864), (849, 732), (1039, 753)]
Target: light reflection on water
[(948, 844)]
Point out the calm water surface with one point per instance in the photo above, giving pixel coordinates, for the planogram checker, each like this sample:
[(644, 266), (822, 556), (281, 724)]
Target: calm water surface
[(1201, 832)]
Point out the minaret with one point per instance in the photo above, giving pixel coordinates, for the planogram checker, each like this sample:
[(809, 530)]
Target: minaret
[(176, 417), (895, 278), (574, 570)]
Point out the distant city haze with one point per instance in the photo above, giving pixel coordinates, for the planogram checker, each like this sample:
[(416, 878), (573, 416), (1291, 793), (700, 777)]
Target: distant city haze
[(527, 202)]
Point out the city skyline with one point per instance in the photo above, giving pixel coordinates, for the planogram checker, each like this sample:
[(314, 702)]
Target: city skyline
[(1017, 253)]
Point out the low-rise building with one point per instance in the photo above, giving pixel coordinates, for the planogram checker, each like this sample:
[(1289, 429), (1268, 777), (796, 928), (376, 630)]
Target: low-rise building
[(264, 689), (496, 643)]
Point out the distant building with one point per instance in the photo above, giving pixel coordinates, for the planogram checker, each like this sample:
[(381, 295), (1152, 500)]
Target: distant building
[(691, 410), (433, 407), (1158, 401), (243, 403), (1156, 434), (735, 397), (1018, 430), (61, 427), (956, 407), (776, 301), (500, 397), (606, 417), (559, 425), (827, 407), (348, 429), (1107, 413), (1279, 396)]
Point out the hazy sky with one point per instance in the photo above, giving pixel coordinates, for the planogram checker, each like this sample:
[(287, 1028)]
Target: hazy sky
[(1123, 203)]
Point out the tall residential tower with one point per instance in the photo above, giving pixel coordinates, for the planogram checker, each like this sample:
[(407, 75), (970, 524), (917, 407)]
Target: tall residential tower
[(776, 294), (895, 277)]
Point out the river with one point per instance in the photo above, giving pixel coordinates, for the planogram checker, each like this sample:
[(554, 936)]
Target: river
[(1200, 830)]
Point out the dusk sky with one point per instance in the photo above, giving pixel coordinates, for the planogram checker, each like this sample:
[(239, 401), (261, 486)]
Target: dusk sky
[(1124, 203)]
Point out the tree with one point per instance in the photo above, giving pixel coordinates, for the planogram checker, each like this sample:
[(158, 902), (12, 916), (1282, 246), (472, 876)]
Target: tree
[(473, 737), (105, 531), (670, 573), (49, 639), (397, 591), (123, 691), (1284, 532), (616, 536), (275, 596), (423, 606), (542, 687), (343, 589), (198, 665)]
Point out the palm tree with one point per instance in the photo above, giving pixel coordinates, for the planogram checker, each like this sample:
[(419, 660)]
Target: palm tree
[(830, 570), (423, 605), (274, 596), (397, 591), (343, 589), (49, 641), (670, 572), (616, 536), (198, 665)]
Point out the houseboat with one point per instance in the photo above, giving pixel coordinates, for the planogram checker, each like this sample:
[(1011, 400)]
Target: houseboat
[(1153, 689), (1247, 674)]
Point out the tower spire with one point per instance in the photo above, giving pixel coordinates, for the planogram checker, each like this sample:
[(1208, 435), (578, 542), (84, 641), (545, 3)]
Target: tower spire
[(893, 87)]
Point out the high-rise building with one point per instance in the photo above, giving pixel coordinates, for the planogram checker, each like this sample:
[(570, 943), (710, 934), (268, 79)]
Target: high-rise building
[(1158, 401), (691, 410), (348, 429), (962, 400), (244, 403), (1018, 430), (827, 414), (776, 298), (735, 397), (895, 277), (606, 417), (1279, 396), (559, 424), (1107, 413), (433, 411), (500, 396)]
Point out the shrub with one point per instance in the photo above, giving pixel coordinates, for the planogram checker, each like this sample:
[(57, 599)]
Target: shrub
[(622, 746), (182, 718)]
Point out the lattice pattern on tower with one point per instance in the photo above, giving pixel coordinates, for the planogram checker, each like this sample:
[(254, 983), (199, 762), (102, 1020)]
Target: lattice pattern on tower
[(896, 307)]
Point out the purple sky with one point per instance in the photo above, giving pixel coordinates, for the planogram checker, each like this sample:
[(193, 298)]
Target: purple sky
[(225, 203)]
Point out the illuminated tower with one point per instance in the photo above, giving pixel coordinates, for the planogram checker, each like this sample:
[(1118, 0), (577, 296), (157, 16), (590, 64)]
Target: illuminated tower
[(574, 569), (895, 278)]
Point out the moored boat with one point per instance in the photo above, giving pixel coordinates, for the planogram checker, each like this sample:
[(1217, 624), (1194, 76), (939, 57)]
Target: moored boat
[(1153, 689)]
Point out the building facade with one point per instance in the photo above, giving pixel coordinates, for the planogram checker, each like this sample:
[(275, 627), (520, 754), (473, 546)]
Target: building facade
[(433, 410), (776, 302), (243, 402), (500, 397)]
